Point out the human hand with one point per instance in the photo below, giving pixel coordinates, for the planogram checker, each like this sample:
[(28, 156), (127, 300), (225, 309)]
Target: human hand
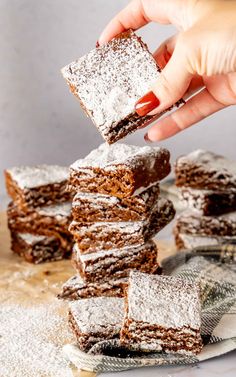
[(198, 62)]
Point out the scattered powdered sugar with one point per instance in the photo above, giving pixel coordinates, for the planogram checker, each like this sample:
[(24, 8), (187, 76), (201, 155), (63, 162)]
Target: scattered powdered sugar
[(61, 209), (31, 341), (108, 156), (99, 314), (167, 301), (110, 79), (28, 177)]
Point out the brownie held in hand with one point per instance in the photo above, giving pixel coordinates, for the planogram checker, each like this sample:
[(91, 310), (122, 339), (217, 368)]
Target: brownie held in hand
[(119, 170), (109, 81), (162, 314), (205, 170)]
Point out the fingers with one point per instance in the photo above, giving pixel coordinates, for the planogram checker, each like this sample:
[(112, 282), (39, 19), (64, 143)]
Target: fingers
[(164, 52), (197, 108), (170, 86), (140, 12)]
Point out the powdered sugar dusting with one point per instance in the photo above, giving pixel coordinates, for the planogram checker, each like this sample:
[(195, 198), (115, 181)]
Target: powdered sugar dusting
[(108, 156), (191, 241), (166, 301), (211, 162), (99, 314), (61, 209), (31, 238), (31, 341), (40, 175), (110, 79)]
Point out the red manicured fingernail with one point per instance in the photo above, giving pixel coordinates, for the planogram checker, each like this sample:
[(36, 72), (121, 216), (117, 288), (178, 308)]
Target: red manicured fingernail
[(146, 104), (97, 44), (146, 138)]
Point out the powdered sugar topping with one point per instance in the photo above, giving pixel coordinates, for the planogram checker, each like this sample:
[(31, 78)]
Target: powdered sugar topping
[(99, 314), (61, 209), (108, 156), (166, 301), (31, 239), (28, 177)]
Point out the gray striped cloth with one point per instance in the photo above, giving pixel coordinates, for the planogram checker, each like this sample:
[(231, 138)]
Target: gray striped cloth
[(214, 268)]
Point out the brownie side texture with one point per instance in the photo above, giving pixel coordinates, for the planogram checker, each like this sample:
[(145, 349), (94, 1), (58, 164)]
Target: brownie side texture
[(99, 207), (191, 222), (119, 170), (209, 202), (116, 263), (92, 237), (38, 248), (75, 288), (205, 170), (31, 187)]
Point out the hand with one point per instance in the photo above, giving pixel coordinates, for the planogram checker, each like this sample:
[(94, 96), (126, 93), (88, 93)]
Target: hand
[(199, 61)]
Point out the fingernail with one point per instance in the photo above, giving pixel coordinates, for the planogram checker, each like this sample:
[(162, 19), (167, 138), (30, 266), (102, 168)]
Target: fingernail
[(97, 44), (146, 104), (146, 138)]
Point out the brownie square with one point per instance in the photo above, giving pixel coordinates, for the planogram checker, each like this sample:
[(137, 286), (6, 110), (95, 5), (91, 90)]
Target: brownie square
[(109, 80), (34, 186), (192, 222), (38, 248), (96, 319), (163, 313), (116, 263), (99, 207), (75, 288), (52, 220), (205, 170), (189, 241), (209, 202), (93, 237), (119, 170)]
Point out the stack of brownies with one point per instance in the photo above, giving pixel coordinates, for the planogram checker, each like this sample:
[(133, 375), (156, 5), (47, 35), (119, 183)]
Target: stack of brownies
[(116, 212), (40, 212), (207, 183)]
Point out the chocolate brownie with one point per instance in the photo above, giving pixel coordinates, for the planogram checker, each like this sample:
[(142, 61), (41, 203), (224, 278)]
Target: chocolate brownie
[(99, 207), (38, 248), (116, 263), (163, 313), (209, 202), (75, 288), (50, 220), (92, 237), (205, 170), (96, 319), (192, 222), (109, 81), (119, 170), (34, 186), (189, 241)]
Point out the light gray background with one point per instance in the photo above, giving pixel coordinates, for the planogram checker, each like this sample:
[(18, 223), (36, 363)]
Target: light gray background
[(40, 121)]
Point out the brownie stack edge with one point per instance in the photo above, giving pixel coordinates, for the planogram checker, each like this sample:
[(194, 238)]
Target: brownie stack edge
[(39, 212), (116, 211), (207, 184)]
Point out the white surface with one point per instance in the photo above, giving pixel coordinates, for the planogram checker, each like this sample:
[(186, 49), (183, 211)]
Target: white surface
[(41, 122)]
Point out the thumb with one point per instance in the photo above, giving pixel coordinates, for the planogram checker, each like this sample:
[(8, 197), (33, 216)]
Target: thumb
[(172, 83)]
